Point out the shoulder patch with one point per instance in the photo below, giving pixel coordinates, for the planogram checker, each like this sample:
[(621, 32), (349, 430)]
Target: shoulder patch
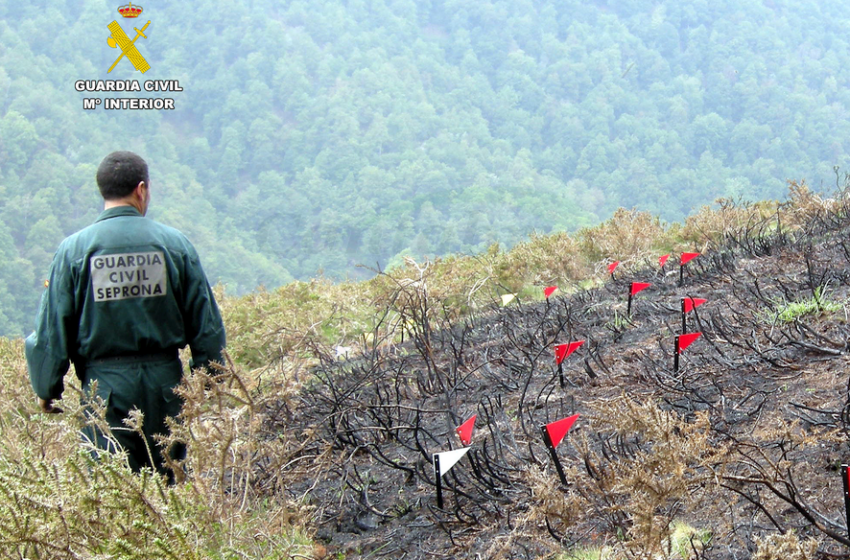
[(128, 275)]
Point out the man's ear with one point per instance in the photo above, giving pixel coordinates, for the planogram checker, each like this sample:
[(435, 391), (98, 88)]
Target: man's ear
[(139, 192)]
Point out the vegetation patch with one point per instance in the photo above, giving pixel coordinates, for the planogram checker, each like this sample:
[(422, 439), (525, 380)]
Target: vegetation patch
[(818, 304)]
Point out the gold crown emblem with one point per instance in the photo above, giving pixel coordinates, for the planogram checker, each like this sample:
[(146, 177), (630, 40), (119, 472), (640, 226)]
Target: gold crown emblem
[(130, 11)]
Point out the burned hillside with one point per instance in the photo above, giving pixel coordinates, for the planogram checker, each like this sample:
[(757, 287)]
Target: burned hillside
[(742, 445)]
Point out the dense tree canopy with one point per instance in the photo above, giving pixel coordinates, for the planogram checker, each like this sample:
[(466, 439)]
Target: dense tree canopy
[(315, 136)]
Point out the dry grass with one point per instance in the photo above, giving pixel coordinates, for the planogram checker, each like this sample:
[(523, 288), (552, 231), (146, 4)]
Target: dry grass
[(629, 237), (640, 495), (785, 547), (58, 501)]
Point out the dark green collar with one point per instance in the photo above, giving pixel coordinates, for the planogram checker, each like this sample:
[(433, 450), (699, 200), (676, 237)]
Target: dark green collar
[(118, 211)]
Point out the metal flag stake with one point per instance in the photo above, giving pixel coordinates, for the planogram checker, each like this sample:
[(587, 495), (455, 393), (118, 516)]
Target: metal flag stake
[(553, 434)]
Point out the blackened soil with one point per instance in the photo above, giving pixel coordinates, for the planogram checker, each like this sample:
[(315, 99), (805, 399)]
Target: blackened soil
[(773, 388)]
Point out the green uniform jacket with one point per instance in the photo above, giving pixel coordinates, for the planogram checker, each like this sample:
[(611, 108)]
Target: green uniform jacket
[(125, 286)]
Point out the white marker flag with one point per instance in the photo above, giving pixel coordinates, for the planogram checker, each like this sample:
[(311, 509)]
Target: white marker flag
[(449, 458)]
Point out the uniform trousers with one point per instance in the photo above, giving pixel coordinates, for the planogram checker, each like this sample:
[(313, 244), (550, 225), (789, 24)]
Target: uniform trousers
[(143, 382)]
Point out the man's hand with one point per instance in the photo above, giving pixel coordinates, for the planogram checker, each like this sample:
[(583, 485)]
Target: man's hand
[(46, 405)]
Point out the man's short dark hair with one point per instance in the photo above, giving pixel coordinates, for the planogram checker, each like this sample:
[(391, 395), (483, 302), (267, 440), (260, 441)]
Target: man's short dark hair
[(119, 173)]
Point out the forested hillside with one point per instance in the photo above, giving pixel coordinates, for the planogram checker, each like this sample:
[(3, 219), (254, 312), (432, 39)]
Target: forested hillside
[(314, 136)]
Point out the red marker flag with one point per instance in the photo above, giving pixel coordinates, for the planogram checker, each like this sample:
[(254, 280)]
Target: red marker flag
[(686, 340), (612, 267), (465, 430), (558, 429), (639, 286), (662, 260), (549, 291), (691, 303), (687, 257), (564, 350)]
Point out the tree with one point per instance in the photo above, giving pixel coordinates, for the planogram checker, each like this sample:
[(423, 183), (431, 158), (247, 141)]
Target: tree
[(18, 138), (708, 133)]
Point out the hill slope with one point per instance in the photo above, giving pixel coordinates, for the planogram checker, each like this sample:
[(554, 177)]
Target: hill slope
[(735, 455), (742, 444)]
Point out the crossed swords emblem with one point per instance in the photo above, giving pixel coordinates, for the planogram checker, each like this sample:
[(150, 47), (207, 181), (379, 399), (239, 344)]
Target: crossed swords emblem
[(120, 39)]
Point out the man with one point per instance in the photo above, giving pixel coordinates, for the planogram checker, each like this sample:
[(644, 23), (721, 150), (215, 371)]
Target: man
[(123, 296)]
